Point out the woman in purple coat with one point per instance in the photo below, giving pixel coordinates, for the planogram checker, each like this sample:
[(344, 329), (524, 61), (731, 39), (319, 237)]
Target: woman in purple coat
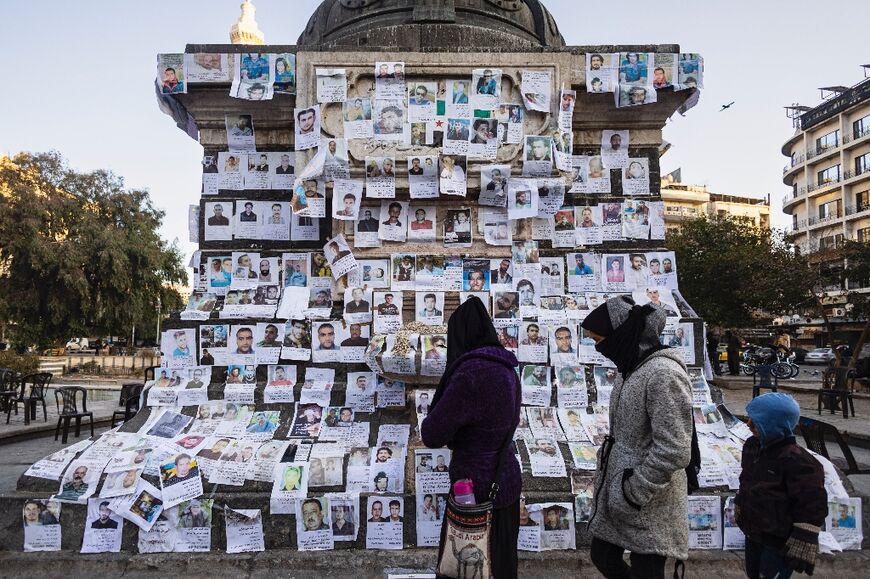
[(474, 412)]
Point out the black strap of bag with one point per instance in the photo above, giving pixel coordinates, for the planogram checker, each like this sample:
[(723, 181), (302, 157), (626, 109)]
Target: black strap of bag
[(499, 466)]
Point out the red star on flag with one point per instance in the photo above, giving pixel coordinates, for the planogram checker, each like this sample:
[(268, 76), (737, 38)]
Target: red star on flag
[(439, 124)]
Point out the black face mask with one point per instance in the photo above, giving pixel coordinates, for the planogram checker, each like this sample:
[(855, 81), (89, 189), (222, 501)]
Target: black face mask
[(622, 346)]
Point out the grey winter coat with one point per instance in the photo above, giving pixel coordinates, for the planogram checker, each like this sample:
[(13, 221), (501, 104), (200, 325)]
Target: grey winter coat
[(640, 490)]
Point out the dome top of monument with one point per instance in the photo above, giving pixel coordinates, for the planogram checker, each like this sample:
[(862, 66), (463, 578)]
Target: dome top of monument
[(477, 25)]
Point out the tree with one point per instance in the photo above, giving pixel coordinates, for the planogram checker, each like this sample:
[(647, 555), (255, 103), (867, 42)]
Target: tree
[(735, 274), (79, 254), (829, 268)]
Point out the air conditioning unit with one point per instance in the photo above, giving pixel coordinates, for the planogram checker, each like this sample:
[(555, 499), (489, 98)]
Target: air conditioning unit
[(838, 312)]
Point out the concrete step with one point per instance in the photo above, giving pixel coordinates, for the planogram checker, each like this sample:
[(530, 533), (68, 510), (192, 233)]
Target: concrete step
[(357, 564)]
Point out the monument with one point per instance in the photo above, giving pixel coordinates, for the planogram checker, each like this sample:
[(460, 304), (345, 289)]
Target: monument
[(434, 150)]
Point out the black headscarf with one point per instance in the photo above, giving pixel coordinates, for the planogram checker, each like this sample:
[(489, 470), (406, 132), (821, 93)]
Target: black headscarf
[(622, 345), (468, 328)]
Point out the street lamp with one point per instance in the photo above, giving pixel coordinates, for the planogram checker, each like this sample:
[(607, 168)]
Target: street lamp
[(159, 306)]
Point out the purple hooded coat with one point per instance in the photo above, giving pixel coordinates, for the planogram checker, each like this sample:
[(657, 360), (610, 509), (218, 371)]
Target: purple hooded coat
[(478, 411)]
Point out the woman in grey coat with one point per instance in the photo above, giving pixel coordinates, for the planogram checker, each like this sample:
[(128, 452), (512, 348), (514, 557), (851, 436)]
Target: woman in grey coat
[(640, 485)]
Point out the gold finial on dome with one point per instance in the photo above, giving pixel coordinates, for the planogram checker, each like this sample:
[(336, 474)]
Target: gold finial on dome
[(245, 30)]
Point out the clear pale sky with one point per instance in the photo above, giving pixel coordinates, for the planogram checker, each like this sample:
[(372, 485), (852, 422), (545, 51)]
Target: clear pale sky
[(85, 73)]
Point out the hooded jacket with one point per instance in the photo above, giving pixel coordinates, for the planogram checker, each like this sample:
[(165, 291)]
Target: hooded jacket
[(640, 484), (781, 484), (476, 414)]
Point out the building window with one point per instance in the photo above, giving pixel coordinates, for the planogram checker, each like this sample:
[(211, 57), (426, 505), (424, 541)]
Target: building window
[(831, 241), (863, 235), (829, 210), (862, 200), (862, 164), (829, 175), (861, 127), (794, 222), (828, 141)]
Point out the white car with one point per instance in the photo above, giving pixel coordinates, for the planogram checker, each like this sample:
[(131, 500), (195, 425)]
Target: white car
[(77, 345), (820, 356)]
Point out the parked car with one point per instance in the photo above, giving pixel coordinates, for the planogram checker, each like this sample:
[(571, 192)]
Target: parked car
[(800, 355), (76, 344), (820, 356)]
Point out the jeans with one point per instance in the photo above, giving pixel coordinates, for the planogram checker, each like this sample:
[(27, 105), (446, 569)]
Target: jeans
[(607, 558), (765, 562)]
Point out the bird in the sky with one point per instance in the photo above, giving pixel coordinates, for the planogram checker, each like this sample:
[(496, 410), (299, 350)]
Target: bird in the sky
[(728, 106)]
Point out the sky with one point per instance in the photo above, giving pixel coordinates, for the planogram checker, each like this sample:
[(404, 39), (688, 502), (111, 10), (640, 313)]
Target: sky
[(91, 67)]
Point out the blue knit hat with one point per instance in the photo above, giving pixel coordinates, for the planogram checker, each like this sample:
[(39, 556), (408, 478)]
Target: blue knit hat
[(774, 415)]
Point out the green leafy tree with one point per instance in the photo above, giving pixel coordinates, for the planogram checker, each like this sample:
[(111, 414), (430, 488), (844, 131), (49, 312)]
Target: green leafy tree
[(829, 268), (735, 274), (79, 253)]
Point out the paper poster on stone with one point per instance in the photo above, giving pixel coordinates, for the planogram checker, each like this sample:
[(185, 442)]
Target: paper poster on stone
[(634, 94), (423, 177), (178, 347), (551, 197), (179, 479), (494, 185), (339, 256), (388, 311), (571, 386), (357, 115), (635, 177), (210, 175), (103, 528), (385, 522), (535, 384), (705, 522), (530, 528), (290, 483), (545, 458), (452, 175), (690, 71), (536, 89), (366, 229), (538, 156), (380, 177), (52, 466), (598, 177), (253, 79), (395, 226), (240, 133), (733, 538), (483, 143), (421, 101), (614, 148), (347, 195), (389, 80), (314, 525), (457, 97), (601, 72), (522, 198), (844, 522), (389, 120), (79, 482), (567, 100), (171, 77), (335, 163), (558, 531), (42, 531), (510, 123), (429, 308), (307, 127), (331, 85), (207, 67), (244, 530)]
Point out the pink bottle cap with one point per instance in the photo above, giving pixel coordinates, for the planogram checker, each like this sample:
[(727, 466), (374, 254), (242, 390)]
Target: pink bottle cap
[(463, 487)]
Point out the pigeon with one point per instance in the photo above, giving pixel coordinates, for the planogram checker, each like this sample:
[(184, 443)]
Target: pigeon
[(728, 106)]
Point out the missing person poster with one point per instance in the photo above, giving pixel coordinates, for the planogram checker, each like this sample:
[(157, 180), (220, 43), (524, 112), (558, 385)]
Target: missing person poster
[(41, 520)]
